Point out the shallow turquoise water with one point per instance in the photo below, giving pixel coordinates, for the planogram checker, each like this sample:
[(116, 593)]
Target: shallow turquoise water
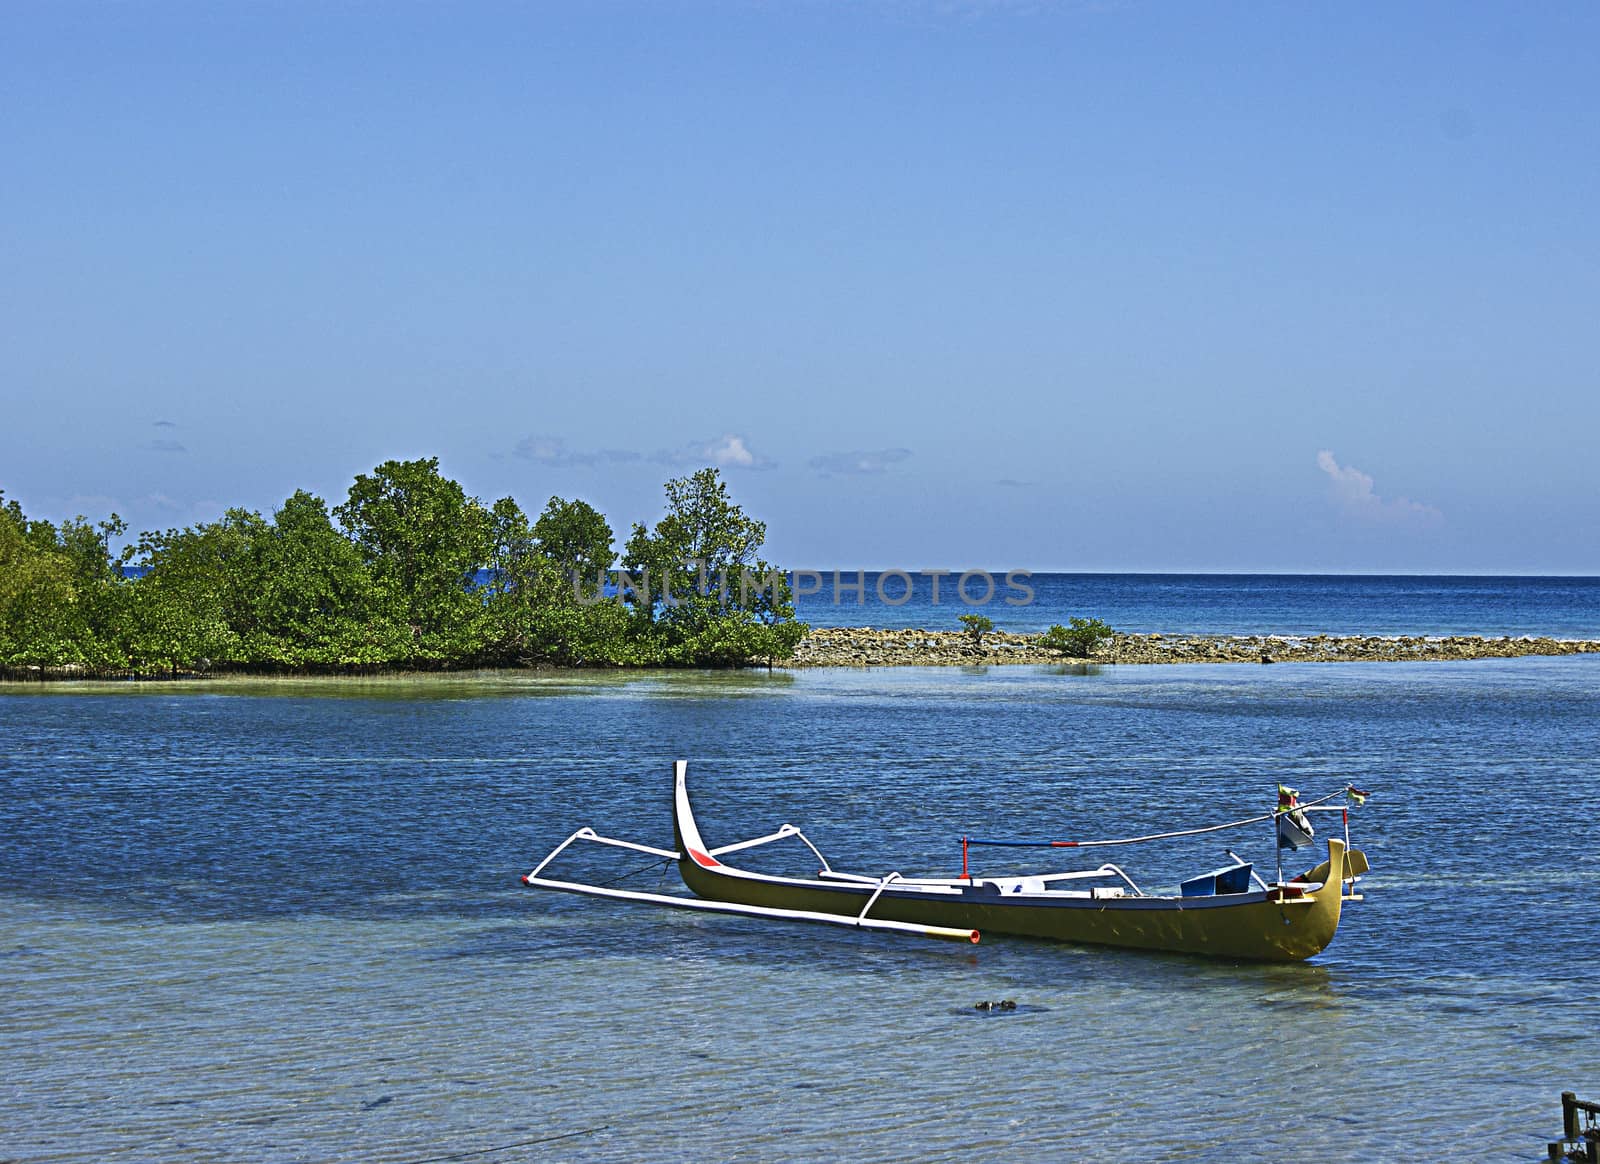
[(281, 921)]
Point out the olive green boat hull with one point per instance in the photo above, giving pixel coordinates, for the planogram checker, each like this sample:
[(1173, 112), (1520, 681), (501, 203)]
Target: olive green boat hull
[(1277, 925)]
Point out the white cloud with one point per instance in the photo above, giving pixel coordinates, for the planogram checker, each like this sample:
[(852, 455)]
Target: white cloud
[(861, 462), (1354, 491), (729, 451)]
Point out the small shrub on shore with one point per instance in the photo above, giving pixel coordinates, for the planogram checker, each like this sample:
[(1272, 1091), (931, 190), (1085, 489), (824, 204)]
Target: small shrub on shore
[(1079, 640), (977, 625)]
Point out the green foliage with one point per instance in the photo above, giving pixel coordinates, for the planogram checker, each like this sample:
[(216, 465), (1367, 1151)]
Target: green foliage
[(703, 594), (36, 597), (533, 608), (573, 635), (574, 538), (195, 597), (976, 626), (539, 603), (424, 540), (60, 596), (420, 575), (315, 601), (1080, 640)]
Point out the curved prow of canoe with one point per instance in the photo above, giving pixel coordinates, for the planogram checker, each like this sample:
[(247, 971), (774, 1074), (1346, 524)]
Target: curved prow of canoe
[(1328, 899), (738, 891), (692, 851), (1354, 865), (1321, 893)]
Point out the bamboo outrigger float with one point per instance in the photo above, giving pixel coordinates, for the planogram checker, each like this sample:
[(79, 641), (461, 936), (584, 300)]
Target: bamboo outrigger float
[(1230, 913)]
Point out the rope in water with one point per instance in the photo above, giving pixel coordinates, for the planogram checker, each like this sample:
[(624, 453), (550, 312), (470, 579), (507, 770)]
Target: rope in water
[(1233, 824)]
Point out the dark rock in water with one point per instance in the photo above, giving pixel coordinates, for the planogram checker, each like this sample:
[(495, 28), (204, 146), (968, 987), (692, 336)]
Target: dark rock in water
[(377, 1103), (991, 1008)]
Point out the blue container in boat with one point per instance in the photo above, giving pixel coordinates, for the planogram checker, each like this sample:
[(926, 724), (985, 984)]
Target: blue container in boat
[(1233, 879)]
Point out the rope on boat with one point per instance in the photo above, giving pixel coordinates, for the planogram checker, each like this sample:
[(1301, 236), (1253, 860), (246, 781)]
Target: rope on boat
[(1234, 824), (653, 865)]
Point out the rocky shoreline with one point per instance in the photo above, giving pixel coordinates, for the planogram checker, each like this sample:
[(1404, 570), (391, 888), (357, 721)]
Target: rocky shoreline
[(865, 647), (869, 647)]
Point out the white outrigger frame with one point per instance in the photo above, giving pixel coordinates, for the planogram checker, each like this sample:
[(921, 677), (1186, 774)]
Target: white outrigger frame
[(856, 921)]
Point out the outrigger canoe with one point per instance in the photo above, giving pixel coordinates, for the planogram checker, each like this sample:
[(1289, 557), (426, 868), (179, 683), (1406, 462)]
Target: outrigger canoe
[(1229, 913)]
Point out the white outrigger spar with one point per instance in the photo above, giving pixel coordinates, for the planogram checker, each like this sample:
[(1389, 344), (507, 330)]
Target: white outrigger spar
[(859, 921)]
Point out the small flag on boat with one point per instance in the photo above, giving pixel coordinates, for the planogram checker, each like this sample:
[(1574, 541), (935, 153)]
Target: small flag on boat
[(1355, 794), (1294, 828)]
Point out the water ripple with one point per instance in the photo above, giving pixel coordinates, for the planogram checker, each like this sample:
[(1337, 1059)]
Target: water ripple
[(256, 922)]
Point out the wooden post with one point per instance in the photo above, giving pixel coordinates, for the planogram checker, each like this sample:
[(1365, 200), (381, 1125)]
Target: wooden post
[(1579, 1139)]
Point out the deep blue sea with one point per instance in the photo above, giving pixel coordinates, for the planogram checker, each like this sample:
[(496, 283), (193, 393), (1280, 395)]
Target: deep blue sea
[(1243, 604), (281, 921), (1235, 604)]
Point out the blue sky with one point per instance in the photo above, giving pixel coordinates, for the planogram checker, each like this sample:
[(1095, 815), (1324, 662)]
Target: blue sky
[(1109, 286)]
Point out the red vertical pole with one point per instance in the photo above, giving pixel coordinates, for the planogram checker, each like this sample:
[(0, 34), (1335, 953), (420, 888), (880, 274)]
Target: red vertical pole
[(964, 858)]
